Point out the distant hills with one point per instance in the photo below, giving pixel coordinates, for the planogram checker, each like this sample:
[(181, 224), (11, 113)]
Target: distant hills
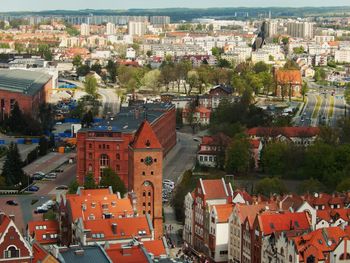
[(188, 14)]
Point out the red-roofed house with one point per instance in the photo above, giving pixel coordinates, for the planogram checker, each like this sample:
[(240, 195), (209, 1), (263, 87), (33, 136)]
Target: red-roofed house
[(219, 232), (206, 194), (44, 232), (332, 217), (212, 150), (13, 247), (267, 225), (200, 115), (322, 246), (288, 81), (93, 204), (297, 135)]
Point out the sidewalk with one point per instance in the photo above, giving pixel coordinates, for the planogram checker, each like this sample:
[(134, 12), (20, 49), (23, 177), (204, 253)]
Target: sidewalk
[(171, 230)]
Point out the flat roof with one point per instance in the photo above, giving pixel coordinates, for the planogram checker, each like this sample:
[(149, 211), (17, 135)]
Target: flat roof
[(23, 81), (130, 118), (88, 254)]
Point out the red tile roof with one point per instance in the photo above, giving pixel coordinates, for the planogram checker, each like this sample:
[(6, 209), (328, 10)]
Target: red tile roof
[(38, 229), (214, 189), (251, 211), (289, 132), (156, 247), (247, 197), (287, 76), (278, 222), (145, 135), (223, 212), (255, 144), (331, 215), (127, 254), (324, 240), (97, 202), (126, 228)]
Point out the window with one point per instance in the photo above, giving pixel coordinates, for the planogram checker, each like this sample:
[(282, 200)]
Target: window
[(107, 146), (117, 167), (141, 160), (223, 252), (155, 160), (12, 252), (149, 193), (90, 145), (143, 173), (90, 156), (344, 256), (144, 204), (152, 173), (149, 204), (44, 236), (104, 160), (118, 147), (144, 193), (90, 168), (118, 156)]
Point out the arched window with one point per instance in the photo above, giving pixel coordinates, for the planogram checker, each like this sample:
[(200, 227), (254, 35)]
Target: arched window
[(118, 147), (12, 252), (282, 251), (90, 168), (290, 258), (104, 160), (118, 156)]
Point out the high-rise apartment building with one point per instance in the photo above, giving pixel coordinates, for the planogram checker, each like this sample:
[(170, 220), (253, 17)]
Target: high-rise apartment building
[(300, 29), (110, 29), (271, 28), (85, 29), (137, 28), (160, 20)]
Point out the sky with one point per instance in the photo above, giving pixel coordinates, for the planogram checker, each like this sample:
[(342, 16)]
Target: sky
[(39, 5)]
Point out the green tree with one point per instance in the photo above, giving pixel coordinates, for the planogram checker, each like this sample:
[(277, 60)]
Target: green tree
[(311, 186), (112, 70), (304, 89), (89, 182), (110, 178), (97, 68), (77, 61), (223, 63), (261, 67), (152, 79), (344, 185), (298, 50), (268, 186), (12, 169), (73, 187), (238, 155), (45, 52), (216, 51), (291, 64), (273, 158), (193, 80), (43, 146), (88, 119), (91, 86)]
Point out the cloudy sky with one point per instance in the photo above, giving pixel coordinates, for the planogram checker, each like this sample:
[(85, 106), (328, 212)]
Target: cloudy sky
[(37, 5)]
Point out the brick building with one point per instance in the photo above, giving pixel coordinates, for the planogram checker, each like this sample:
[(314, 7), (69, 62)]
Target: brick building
[(28, 88), (106, 145)]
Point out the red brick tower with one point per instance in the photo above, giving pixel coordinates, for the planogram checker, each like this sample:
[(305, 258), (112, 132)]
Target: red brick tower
[(145, 174)]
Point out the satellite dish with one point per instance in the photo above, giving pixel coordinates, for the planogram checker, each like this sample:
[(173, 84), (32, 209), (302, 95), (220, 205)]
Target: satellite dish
[(329, 243), (109, 128), (316, 195)]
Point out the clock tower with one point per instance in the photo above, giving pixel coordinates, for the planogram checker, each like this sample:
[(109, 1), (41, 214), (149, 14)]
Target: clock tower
[(146, 173)]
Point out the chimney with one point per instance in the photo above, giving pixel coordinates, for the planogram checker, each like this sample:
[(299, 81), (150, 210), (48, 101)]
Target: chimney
[(12, 217), (114, 228)]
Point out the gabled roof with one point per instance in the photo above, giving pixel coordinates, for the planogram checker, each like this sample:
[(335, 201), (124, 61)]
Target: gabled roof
[(156, 247), (145, 137), (223, 212), (41, 255), (124, 253), (226, 89), (324, 240), (291, 201), (278, 222), (216, 140), (331, 215), (214, 188), (251, 211), (247, 197)]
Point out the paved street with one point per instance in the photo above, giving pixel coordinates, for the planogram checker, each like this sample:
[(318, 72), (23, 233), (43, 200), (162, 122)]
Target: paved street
[(110, 100)]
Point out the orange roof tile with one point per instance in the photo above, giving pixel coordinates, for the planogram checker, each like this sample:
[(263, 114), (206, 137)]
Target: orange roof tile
[(277, 222), (38, 229), (127, 227), (333, 214), (133, 254), (251, 211), (223, 212), (156, 247), (286, 76), (214, 189)]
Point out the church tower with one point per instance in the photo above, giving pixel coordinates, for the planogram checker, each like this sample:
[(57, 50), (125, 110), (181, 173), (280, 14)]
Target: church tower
[(146, 173)]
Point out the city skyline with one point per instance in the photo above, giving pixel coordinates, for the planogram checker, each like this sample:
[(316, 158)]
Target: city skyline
[(40, 5)]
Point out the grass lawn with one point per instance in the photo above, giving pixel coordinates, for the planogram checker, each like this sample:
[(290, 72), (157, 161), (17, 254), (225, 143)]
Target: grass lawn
[(331, 107), (317, 107)]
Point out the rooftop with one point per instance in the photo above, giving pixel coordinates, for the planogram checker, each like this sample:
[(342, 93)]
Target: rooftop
[(23, 81), (88, 254)]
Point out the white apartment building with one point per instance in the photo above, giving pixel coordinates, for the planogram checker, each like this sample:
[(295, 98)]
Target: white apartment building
[(342, 55), (322, 39), (110, 29), (130, 53), (85, 29), (271, 28), (137, 28), (300, 29)]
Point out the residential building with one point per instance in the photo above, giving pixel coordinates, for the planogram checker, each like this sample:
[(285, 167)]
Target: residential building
[(29, 89), (87, 254), (130, 53), (13, 246), (296, 135), (110, 29), (342, 55), (199, 116), (159, 20), (212, 150), (271, 28), (85, 29), (44, 232), (136, 28), (300, 29)]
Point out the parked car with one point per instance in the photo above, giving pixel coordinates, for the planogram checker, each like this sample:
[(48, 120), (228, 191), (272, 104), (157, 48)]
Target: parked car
[(11, 202), (33, 188), (62, 187), (40, 210), (168, 184), (38, 176), (51, 176), (59, 170)]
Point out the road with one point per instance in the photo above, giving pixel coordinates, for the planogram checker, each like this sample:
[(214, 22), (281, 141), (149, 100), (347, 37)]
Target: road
[(110, 100), (324, 114), (181, 158), (24, 211)]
